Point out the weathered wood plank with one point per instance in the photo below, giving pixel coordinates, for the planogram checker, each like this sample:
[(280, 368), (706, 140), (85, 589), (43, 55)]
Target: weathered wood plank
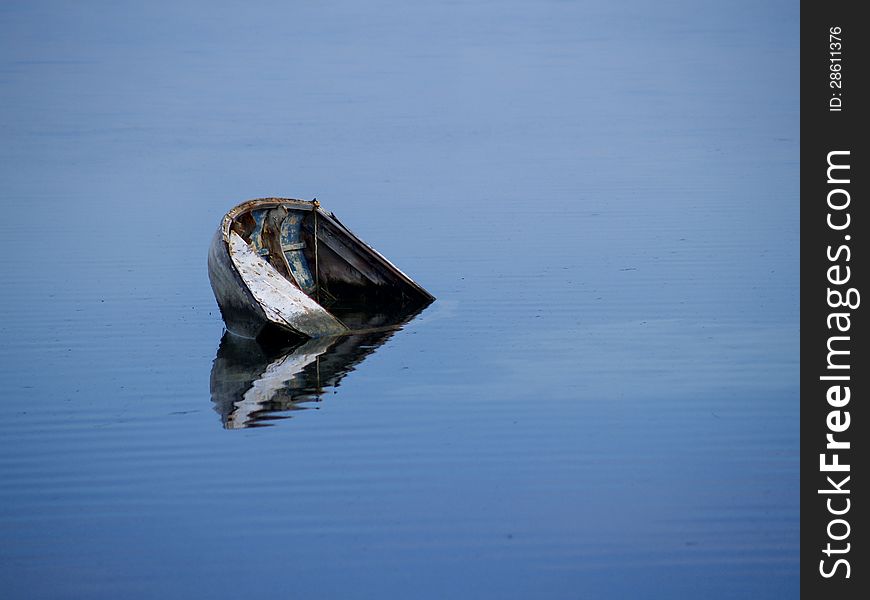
[(281, 301)]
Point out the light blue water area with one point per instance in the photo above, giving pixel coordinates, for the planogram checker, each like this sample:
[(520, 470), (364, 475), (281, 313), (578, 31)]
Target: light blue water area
[(603, 401)]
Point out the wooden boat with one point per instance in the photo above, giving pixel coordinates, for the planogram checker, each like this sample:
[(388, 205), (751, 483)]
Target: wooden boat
[(288, 267)]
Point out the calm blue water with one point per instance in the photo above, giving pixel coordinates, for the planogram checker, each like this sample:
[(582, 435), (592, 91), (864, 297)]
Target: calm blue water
[(602, 403)]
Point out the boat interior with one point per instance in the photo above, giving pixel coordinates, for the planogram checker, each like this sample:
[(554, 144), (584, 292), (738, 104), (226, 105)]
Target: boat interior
[(321, 257)]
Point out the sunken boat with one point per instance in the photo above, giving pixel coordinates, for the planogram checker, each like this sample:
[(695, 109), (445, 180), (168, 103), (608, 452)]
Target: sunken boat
[(286, 267)]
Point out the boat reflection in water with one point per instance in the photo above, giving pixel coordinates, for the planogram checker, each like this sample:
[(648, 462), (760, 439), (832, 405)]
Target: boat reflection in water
[(253, 382)]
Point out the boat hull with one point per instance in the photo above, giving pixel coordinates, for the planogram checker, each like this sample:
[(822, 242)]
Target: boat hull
[(256, 295)]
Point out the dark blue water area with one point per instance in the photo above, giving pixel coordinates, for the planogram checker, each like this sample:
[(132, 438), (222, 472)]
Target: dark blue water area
[(603, 400)]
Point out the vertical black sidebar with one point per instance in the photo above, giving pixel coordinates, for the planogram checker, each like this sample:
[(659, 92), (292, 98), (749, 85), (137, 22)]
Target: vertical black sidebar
[(835, 169)]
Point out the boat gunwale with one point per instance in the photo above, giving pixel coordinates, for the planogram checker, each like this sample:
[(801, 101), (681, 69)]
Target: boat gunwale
[(309, 205)]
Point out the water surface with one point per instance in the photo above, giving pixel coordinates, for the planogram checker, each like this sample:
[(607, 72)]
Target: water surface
[(603, 401)]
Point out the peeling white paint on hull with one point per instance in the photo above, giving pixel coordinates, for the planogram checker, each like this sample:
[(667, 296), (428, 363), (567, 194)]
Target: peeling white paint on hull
[(284, 304)]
